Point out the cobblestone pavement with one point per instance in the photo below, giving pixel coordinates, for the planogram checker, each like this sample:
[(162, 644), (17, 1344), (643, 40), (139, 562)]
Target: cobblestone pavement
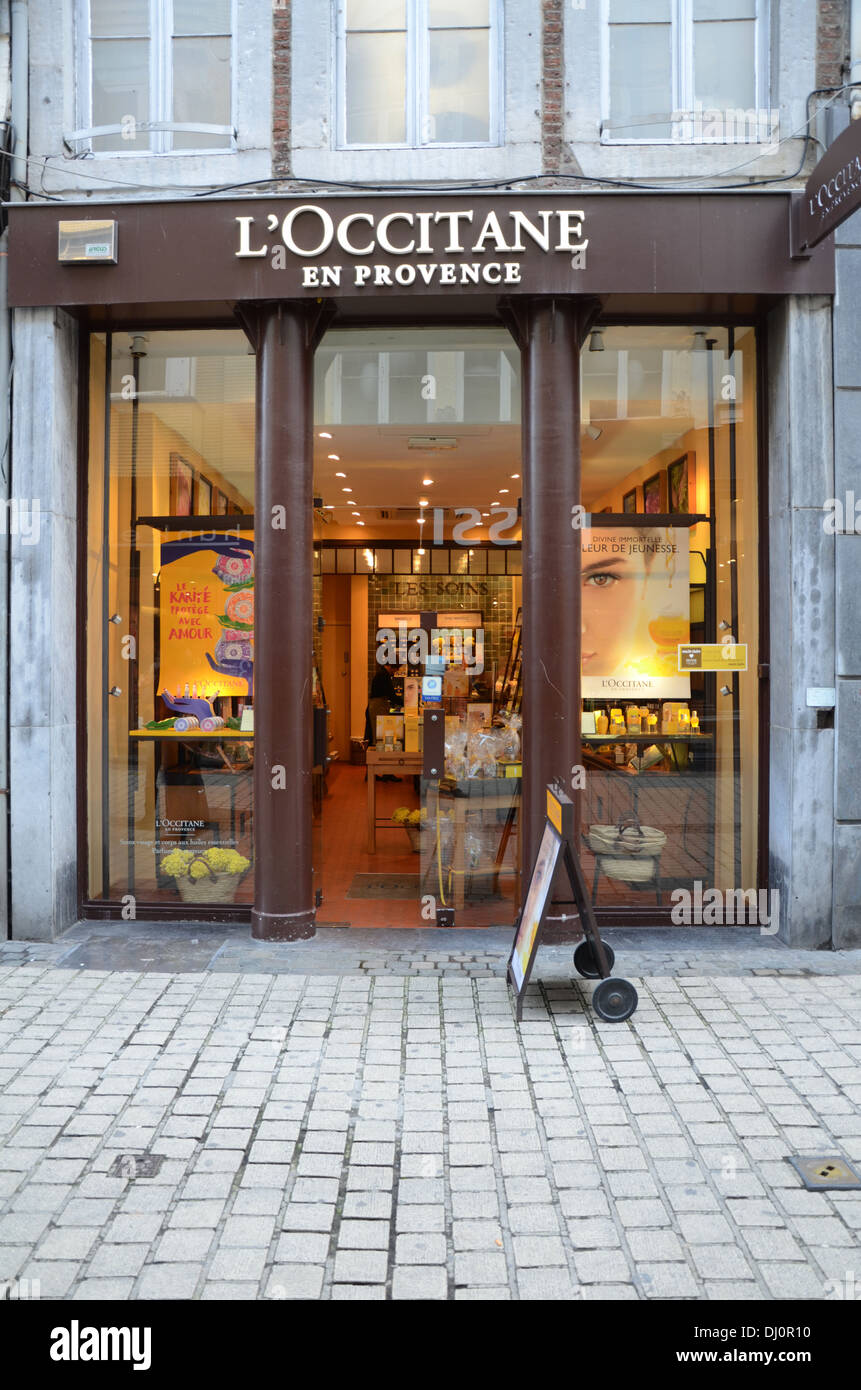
[(365, 1136), (183, 946)]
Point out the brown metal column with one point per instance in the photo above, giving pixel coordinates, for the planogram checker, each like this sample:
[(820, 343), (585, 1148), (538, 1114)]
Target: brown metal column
[(550, 333), (284, 336)]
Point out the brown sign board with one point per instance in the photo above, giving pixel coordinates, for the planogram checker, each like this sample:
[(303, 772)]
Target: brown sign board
[(446, 247), (832, 192)]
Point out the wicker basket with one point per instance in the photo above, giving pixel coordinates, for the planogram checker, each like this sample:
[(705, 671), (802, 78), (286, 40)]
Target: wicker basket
[(212, 888)]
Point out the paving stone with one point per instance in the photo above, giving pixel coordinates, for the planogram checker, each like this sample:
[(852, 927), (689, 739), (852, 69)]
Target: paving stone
[(419, 1282), (480, 1267), (421, 1248), (720, 1262), (546, 1285), (67, 1243), (361, 1266), (169, 1281), (667, 1280)]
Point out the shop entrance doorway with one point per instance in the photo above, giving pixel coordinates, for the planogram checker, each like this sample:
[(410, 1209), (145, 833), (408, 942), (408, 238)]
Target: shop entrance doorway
[(417, 627)]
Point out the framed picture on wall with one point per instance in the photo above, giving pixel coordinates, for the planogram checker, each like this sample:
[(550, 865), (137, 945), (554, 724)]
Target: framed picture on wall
[(629, 501), (654, 494), (219, 502), (680, 484), (203, 497), (181, 486)]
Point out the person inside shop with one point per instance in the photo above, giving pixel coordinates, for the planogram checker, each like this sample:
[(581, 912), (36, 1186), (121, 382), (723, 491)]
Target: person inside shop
[(382, 699)]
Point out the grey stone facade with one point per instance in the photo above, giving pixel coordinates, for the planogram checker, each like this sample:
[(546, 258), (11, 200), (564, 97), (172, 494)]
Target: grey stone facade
[(813, 426)]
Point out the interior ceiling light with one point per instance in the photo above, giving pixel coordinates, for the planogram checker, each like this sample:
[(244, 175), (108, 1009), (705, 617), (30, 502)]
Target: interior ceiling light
[(596, 340), (421, 521), (340, 475), (346, 489), (423, 501), (335, 457), (324, 434), (427, 482), (485, 513), (420, 552), (505, 489), (515, 475), (360, 523)]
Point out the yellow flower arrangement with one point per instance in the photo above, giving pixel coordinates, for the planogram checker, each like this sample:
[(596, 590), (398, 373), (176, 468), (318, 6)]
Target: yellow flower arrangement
[(182, 863)]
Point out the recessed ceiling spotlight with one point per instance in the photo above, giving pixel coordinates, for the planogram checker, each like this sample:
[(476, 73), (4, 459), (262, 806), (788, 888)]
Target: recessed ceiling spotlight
[(427, 482), (504, 489), (357, 513), (515, 475), (421, 521), (420, 552), (340, 475), (485, 513), (360, 523), (335, 457), (423, 501), (346, 489), (324, 434)]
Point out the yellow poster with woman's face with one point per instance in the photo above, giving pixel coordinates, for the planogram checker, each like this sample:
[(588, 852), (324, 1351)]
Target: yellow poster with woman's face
[(635, 596)]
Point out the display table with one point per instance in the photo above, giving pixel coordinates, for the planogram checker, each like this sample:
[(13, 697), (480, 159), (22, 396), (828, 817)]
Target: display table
[(383, 765)]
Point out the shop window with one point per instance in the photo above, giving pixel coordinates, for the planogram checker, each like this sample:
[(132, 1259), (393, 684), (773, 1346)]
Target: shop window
[(418, 72), (686, 71), (154, 75), (670, 614), (170, 619)]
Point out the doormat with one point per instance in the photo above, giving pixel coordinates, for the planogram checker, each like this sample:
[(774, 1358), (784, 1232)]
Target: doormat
[(401, 886)]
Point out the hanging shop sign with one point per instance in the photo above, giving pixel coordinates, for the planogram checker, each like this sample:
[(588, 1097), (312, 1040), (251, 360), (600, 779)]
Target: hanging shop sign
[(635, 611), (207, 618), (832, 192), (445, 246)]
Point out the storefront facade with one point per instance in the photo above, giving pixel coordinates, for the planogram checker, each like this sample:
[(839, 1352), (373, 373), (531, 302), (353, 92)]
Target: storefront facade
[(278, 426)]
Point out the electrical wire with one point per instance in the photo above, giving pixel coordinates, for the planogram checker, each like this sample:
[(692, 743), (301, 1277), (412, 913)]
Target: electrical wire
[(710, 180)]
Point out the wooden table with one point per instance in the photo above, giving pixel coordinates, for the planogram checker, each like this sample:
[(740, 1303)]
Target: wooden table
[(488, 796), (381, 765)]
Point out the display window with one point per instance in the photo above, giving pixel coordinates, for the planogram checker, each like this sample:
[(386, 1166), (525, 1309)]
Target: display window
[(670, 612), (418, 633), (170, 619)]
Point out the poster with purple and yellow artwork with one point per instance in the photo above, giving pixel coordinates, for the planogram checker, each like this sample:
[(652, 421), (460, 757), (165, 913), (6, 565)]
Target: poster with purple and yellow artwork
[(207, 616)]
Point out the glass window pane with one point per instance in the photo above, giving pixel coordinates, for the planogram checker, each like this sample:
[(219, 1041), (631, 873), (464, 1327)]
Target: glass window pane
[(724, 9), (119, 17), (201, 89), (640, 11), (186, 442), (201, 16), (640, 82), (724, 65), (120, 90), (448, 14), (459, 97), (376, 89), (376, 14)]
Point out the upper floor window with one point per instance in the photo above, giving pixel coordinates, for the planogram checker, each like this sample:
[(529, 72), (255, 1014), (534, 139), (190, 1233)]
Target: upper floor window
[(685, 70), (418, 72), (155, 76)]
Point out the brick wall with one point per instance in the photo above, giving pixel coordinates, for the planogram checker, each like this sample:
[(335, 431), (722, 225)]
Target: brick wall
[(552, 85), (832, 42), (281, 39)]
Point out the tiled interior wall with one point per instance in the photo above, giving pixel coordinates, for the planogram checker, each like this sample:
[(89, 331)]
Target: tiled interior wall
[(492, 596)]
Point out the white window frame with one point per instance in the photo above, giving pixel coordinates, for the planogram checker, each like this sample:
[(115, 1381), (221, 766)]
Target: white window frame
[(418, 82), (682, 78), (159, 130)]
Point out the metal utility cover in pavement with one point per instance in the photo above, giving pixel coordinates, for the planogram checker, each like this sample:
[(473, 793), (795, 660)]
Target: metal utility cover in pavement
[(828, 1171), (135, 1165)]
